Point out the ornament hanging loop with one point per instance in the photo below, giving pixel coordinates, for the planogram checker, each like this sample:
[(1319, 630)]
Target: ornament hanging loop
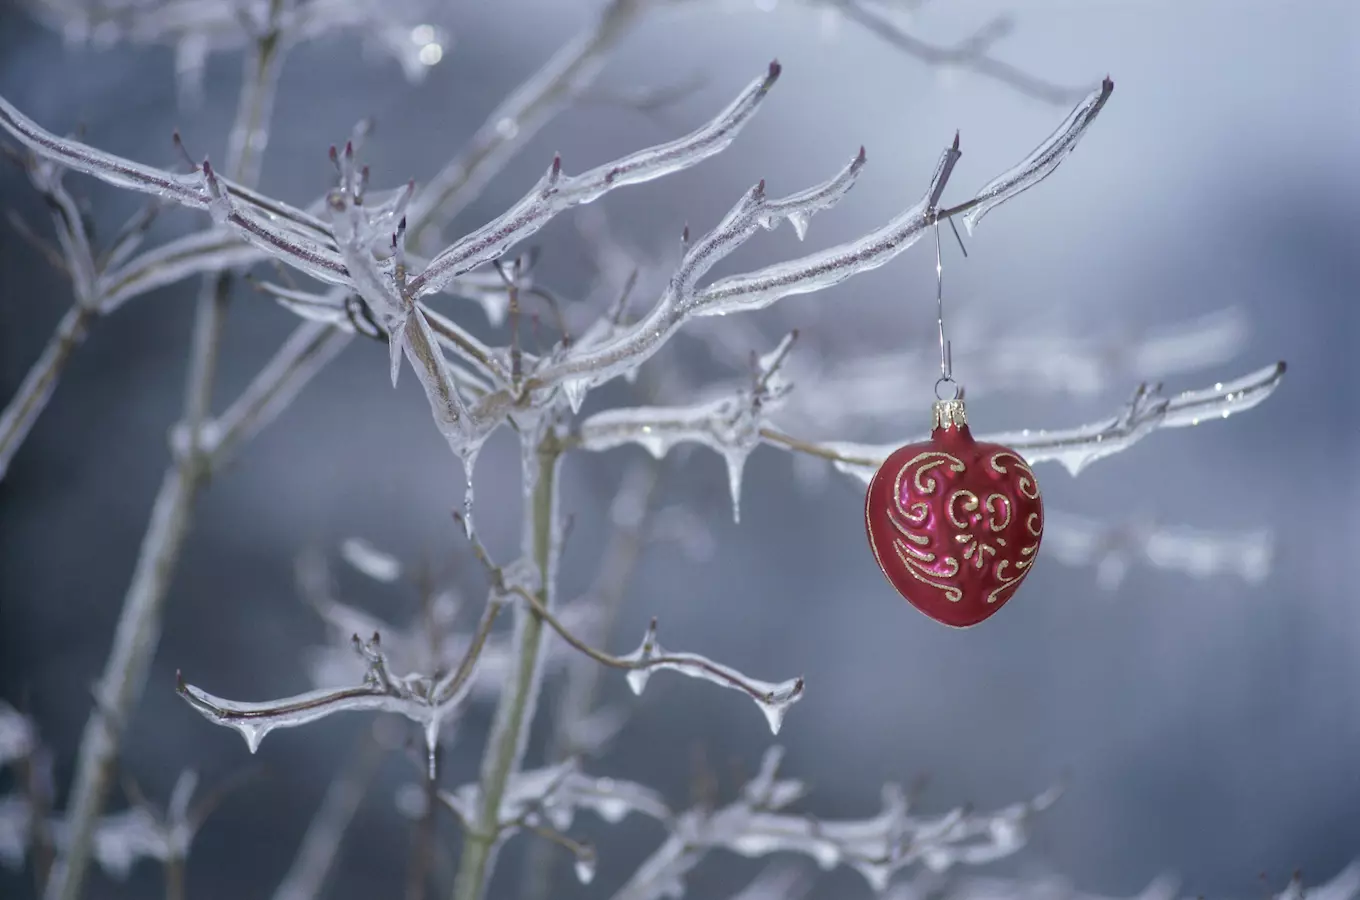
[(946, 348)]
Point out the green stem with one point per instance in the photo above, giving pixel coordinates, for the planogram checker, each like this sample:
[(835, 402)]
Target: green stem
[(510, 728)]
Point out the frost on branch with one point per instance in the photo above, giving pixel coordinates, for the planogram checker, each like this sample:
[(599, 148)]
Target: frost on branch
[(756, 825), (1113, 548)]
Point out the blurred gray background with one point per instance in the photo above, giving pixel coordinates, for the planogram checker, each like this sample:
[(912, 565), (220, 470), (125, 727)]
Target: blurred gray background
[(1209, 728)]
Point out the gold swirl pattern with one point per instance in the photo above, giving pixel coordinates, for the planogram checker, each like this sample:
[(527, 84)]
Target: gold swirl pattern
[(1026, 483), (904, 518)]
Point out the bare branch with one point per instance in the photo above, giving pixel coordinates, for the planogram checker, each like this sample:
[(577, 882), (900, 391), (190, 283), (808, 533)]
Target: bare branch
[(557, 192), (520, 115), (586, 367), (1075, 448), (876, 847), (729, 425), (972, 54), (1112, 548), (321, 844), (428, 700)]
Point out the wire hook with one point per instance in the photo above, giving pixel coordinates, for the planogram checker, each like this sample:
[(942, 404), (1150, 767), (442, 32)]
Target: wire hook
[(946, 348)]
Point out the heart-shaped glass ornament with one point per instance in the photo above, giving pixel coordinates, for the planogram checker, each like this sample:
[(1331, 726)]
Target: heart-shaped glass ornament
[(954, 524)]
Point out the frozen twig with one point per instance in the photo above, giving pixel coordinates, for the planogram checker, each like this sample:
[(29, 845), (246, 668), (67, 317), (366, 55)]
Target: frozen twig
[(321, 844), (1112, 548), (876, 847), (973, 54), (138, 630), (520, 115), (78, 261), (557, 192), (1075, 448), (773, 698), (308, 349), (584, 367), (427, 699), (729, 425)]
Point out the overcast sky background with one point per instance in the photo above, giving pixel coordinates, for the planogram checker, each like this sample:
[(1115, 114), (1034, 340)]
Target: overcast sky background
[(1208, 728)]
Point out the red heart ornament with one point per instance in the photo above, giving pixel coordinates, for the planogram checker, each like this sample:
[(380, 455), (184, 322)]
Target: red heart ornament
[(954, 524)]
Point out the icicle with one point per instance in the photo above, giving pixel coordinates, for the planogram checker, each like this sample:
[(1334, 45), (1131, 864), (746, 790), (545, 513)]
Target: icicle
[(800, 221), (735, 457), (576, 390), (432, 742), (585, 866), (469, 456), (394, 350)]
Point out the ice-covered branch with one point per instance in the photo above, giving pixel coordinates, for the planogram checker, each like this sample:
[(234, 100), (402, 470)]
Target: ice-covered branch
[(424, 645), (1075, 448), (563, 78), (974, 54), (896, 383), (321, 844), (403, 29), (1112, 548), (427, 699), (557, 192), (876, 847), (773, 698), (587, 366), (729, 425)]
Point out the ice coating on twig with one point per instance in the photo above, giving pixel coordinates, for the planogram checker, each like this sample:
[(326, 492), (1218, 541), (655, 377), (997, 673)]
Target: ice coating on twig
[(877, 846), (1111, 549), (554, 794), (1041, 163), (557, 192), (402, 29), (18, 737), (428, 700), (1076, 448), (896, 383), (773, 698), (369, 560), (729, 425), (594, 362)]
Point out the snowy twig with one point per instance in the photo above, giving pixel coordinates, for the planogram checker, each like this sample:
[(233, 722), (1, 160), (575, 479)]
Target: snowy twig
[(876, 847)]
